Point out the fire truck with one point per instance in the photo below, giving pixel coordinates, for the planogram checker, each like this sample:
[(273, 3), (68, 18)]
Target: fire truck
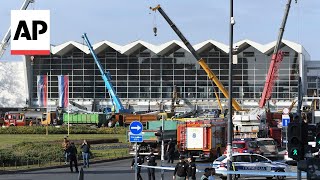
[(22, 118), (202, 138)]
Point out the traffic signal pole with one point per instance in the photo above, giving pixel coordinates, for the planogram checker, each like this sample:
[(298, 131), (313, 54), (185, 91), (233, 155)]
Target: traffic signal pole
[(162, 148), (300, 119)]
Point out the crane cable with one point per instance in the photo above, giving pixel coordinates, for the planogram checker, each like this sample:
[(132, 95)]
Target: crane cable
[(155, 29)]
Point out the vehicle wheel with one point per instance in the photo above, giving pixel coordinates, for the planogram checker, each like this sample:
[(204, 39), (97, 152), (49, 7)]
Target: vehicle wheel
[(280, 177), (223, 178), (235, 176)]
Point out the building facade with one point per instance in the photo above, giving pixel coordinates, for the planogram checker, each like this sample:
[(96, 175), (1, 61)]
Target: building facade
[(144, 74)]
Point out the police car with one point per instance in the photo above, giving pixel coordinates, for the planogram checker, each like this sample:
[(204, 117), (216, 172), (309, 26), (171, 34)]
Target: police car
[(249, 162)]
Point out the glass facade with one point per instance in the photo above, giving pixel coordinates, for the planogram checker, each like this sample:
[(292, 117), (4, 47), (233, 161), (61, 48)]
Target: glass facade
[(144, 75)]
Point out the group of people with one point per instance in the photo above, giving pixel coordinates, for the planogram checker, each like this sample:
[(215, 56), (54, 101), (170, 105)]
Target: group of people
[(70, 153), (184, 170), (187, 170)]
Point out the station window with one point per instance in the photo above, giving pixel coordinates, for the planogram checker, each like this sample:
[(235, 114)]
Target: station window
[(248, 54), (178, 54)]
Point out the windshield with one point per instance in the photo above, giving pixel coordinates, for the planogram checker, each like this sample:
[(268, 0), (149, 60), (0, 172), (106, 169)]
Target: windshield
[(221, 158), (238, 145), (253, 144), (266, 142)]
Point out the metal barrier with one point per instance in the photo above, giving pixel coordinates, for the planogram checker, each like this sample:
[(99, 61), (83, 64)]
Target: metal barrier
[(260, 173)]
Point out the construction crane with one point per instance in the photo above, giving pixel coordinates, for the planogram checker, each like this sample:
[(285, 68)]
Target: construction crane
[(6, 39), (201, 61), (119, 108), (276, 59)]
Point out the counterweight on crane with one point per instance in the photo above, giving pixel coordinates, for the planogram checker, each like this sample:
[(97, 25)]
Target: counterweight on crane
[(6, 39)]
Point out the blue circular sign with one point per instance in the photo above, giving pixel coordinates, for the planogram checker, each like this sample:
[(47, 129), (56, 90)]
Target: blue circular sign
[(136, 127)]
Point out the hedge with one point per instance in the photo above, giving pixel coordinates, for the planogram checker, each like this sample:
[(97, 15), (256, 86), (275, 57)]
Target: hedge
[(62, 130)]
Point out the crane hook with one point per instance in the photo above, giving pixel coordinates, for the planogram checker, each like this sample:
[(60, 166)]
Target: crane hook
[(155, 31)]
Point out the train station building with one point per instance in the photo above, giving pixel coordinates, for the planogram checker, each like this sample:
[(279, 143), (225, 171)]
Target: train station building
[(144, 74)]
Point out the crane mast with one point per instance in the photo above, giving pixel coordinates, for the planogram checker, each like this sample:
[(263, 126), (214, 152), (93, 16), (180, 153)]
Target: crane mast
[(106, 78), (6, 39), (201, 61), (276, 59)]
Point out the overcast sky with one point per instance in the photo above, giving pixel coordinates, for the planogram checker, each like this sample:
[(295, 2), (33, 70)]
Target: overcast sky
[(124, 21)]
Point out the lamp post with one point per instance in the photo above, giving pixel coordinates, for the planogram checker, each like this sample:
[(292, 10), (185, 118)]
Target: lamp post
[(230, 124)]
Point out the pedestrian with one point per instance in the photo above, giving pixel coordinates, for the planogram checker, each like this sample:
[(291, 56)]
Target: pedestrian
[(85, 147), (170, 150), (213, 173), (151, 160), (181, 170), (206, 174), (72, 150), (140, 161), (218, 151), (65, 146), (191, 168)]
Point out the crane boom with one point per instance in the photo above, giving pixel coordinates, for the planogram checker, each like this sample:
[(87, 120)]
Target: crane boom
[(5, 41), (201, 61), (276, 59), (106, 78)]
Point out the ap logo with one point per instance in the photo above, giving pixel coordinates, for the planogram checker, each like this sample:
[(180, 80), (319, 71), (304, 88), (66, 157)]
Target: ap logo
[(30, 32)]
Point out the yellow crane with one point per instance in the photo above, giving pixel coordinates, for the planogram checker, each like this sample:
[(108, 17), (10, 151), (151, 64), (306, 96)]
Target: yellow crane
[(201, 61)]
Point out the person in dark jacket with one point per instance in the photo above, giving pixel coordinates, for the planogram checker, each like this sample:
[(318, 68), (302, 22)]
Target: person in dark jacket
[(170, 150), (191, 168), (72, 151), (140, 161), (181, 170), (151, 160), (85, 147)]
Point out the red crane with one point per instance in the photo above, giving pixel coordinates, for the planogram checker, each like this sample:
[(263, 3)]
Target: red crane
[(276, 59)]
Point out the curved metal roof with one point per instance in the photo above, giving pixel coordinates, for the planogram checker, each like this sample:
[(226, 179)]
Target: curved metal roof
[(171, 45)]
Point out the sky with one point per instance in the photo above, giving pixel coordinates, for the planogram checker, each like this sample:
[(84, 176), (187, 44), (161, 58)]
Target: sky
[(125, 21)]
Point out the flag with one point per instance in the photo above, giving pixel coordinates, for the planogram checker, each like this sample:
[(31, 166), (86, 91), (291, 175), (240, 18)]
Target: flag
[(63, 82), (42, 90)]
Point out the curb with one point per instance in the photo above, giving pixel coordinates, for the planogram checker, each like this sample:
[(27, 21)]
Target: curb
[(59, 166)]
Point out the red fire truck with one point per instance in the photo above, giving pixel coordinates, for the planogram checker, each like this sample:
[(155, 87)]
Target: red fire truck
[(22, 118), (202, 138)]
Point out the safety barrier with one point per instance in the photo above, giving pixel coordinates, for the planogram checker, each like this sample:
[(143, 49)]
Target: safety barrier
[(254, 173)]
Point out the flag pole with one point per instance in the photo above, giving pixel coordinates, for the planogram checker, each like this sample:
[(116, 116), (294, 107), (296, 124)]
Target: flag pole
[(47, 131), (68, 109)]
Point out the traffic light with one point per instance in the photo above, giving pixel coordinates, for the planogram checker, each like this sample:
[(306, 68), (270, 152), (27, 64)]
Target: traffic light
[(159, 133), (297, 138), (318, 136)]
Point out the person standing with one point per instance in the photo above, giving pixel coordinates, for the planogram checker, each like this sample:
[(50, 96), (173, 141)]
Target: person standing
[(140, 161), (181, 170), (151, 160), (170, 150), (207, 173), (213, 173), (85, 147), (65, 146), (191, 168), (72, 150)]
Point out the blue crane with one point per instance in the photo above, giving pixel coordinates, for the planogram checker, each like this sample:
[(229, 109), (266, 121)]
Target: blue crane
[(107, 79)]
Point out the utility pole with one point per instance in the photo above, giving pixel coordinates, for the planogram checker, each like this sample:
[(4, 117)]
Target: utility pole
[(300, 119), (230, 124), (162, 148)]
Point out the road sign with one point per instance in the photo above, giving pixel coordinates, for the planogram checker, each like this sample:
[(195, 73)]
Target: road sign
[(135, 138), (285, 120), (135, 127)]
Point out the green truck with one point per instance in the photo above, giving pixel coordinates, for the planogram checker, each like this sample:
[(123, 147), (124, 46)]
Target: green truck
[(150, 141), (81, 118)]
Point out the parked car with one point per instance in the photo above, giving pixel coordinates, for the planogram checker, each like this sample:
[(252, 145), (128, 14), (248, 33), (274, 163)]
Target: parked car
[(249, 162), (242, 146), (268, 147)]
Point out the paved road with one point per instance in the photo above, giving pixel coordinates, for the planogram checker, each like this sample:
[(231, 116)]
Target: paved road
[(116, 170)]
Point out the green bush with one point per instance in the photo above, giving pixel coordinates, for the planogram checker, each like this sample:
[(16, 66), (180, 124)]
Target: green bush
[(62, 130)]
